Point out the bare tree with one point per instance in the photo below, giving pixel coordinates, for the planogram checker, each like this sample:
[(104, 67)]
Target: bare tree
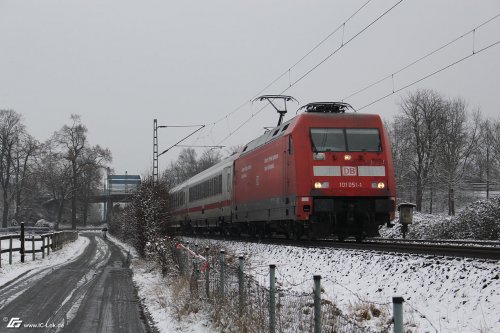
[(209, 158), (26, 154), (11, 129), (493, 142), (402, 150), (486, 156), (187, 165), (459, 139), (73, 139), (55, 174), (422, 113), (93, 160)]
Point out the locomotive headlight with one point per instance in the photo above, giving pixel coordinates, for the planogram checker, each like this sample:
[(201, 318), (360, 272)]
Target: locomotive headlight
[(379, 185), (321, 185), (319, 156), (347, 157)]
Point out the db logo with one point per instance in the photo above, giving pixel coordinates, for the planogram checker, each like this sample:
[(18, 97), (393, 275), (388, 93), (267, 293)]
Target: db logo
[(14, 323), (349, 171)]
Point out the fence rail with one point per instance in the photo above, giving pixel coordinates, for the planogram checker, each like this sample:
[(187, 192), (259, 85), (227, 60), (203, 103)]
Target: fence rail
[(42, 243)]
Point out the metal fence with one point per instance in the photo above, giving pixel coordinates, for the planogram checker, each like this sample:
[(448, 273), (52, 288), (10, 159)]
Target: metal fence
[(248, 305)]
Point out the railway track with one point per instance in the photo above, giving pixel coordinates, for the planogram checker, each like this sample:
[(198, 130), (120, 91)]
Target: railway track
[(489, 250), (461, 242)]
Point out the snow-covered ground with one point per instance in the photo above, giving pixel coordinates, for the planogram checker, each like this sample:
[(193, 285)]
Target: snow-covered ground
[(69, 252), (442, 294), (159, 298)]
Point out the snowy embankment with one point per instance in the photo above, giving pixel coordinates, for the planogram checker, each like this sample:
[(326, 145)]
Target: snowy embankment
[(442, 294), (68, 253), (158, 297)]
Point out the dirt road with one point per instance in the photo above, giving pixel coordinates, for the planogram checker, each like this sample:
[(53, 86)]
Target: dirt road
[(94, 293)]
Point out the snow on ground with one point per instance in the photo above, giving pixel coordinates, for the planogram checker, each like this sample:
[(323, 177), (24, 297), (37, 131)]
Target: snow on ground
[(68, 253), (157, 297), (442, 294)]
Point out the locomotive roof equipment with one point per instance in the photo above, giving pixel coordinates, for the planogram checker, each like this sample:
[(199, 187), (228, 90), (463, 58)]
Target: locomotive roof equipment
[(326, 107), (271, 98)]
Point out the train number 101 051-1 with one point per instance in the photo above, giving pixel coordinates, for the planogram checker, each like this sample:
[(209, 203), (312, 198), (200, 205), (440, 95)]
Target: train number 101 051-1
[(350, 184)]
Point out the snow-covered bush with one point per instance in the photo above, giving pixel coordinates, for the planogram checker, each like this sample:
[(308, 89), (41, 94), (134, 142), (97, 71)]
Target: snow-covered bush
[(141, 222), (480, 220)]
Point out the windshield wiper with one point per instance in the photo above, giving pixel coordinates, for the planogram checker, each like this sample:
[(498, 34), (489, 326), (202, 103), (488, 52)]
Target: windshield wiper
[(315, 150)]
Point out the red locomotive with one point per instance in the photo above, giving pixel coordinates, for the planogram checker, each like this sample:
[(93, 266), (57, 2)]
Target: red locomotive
[(324, 172)]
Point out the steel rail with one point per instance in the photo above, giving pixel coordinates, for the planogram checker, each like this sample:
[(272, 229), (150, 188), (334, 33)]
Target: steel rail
[(420, 247), (437, 241)]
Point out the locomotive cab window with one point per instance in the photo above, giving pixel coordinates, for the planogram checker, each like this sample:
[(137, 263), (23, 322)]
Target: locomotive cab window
[(327, 139), (345, 139), (363, 139)]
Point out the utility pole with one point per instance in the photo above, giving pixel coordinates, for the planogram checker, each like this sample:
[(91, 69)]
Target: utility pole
[(155, 152), (155, 145)]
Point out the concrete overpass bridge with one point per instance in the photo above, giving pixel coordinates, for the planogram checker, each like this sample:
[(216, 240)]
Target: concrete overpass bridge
[(118, 189)]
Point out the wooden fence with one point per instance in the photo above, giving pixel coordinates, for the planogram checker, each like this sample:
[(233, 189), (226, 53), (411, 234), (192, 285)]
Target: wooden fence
[(42, 243)]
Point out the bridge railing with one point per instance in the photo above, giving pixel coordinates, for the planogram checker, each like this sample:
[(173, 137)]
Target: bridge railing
[(113, 191)]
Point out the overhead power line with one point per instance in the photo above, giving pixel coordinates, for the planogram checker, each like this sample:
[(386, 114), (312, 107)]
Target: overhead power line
[(307, 54), (431, 74), (391, 76), (343, 44), (315, 66), (341, 26), (314, 48)]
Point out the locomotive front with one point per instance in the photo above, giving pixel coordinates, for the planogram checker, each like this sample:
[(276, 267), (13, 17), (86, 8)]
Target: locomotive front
[(350, 187)]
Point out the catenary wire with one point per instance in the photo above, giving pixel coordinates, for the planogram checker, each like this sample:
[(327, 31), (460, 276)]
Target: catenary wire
[(313, 68), (295, 64), (431, 74), (421, 58), (394, 90), (343, 45), (226, 116)]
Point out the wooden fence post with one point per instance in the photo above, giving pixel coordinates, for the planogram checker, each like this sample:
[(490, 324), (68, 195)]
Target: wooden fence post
[(22, 242), (33, 246), (10, 250)]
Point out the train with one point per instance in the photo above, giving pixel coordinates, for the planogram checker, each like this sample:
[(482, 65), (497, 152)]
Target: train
[(324, 173)]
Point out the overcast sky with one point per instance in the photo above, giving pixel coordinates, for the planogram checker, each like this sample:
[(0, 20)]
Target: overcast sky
[(120, 64)]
